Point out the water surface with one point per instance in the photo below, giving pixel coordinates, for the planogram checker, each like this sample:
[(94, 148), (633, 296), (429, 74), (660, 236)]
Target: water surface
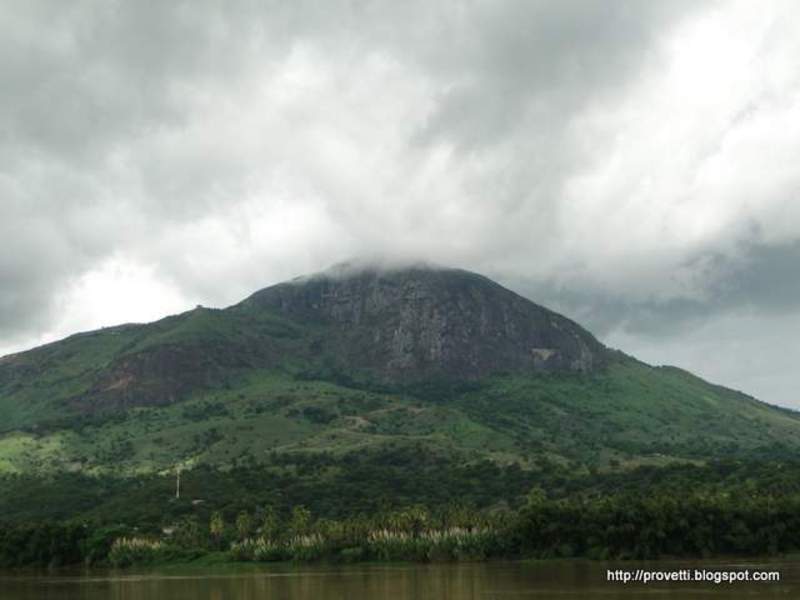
[(563, 580)]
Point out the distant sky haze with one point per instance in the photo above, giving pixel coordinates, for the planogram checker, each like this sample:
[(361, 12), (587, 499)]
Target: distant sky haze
[(634, 165)]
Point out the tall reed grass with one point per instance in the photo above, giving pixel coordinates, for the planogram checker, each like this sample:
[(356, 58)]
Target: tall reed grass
[(454, 543), (127, 551)]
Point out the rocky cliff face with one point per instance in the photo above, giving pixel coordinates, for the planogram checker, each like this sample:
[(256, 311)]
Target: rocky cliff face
[(420, 322)]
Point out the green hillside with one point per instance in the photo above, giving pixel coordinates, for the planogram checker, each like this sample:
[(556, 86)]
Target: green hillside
[(629, 414), (278, 384)]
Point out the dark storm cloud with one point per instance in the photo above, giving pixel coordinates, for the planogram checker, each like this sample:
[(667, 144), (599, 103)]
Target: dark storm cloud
[(768, 278), (762, 278)]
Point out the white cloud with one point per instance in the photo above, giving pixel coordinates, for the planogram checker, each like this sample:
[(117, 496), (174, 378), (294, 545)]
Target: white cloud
[(698, 156), (116, 291), (630, 161)]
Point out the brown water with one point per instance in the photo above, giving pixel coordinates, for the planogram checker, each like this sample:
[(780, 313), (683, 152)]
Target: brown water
[(494, 580)]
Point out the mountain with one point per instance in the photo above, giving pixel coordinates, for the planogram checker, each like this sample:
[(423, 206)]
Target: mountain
[(420, 323), (404, 367)]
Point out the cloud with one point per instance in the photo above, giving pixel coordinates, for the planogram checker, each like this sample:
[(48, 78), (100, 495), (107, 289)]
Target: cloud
[(633, 163), (741, 349)]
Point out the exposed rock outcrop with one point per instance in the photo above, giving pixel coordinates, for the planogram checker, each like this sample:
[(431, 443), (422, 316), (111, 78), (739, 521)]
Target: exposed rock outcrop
[(419, 322)]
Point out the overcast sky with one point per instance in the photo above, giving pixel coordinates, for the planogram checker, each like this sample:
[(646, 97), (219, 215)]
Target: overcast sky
[(635, 165)]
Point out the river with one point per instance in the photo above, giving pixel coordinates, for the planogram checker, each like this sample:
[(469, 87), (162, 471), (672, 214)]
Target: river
[(562, 580)]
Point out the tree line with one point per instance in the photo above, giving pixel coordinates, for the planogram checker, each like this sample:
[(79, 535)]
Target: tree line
[(626, 525)]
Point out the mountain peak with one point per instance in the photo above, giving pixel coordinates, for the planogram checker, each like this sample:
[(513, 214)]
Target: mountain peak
[(416, 321)]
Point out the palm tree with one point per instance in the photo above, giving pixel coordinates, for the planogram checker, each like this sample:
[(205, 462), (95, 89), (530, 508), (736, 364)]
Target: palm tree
[(269, 523), (217, 527), (301, 520), (243, 525)]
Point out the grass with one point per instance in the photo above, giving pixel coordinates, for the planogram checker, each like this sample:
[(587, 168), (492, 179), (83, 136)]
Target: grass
[(26, 453)]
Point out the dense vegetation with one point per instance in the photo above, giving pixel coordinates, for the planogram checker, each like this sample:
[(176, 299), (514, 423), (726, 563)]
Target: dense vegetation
[(624, 417), (725, 508), (620, 525)]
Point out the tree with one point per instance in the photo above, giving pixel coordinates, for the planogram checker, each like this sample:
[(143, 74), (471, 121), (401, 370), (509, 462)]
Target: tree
[(269, 523), (217, 527), (300, 521), (188, 533), (243, 525)]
